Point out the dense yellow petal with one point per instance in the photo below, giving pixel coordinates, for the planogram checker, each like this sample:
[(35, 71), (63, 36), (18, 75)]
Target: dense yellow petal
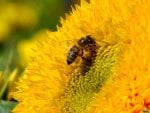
[(118, 81)]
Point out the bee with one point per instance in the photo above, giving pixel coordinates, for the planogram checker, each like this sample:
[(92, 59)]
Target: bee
[(84, 44)]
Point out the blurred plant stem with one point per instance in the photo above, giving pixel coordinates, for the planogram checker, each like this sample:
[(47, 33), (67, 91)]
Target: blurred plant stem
[(5, 74)]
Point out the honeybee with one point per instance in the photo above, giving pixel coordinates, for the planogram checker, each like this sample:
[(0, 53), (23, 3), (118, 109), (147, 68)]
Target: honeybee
[(84, 44)]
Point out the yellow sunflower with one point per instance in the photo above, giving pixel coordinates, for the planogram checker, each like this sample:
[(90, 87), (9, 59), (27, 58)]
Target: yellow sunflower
[(118, 78)]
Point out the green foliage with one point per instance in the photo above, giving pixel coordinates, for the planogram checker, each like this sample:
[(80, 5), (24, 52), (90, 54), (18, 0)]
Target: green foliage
[(6, 106)]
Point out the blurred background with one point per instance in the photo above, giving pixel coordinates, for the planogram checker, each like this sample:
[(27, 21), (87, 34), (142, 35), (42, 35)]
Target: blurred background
[(22, 22)]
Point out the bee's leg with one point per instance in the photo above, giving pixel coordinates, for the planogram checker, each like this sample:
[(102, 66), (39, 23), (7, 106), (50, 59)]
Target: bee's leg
[(81, 54)]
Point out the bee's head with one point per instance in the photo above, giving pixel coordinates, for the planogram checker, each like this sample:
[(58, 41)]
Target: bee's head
[(89, 40), (82, 42)]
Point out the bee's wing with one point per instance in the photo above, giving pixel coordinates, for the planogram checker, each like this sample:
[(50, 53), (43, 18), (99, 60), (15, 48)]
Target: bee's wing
[(68, 42)]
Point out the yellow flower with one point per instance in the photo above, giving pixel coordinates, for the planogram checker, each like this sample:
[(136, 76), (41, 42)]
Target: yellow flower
[(15, 15), (117, 82), (25, 47)]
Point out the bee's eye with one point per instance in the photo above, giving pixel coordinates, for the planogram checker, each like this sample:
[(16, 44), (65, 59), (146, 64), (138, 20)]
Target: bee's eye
[(90, 40), (82, 42)]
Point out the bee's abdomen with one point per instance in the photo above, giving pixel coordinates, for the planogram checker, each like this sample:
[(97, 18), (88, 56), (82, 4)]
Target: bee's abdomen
[(72, 54)]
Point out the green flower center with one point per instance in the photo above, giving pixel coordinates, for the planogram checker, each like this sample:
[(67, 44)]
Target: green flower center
[(81, 89)]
